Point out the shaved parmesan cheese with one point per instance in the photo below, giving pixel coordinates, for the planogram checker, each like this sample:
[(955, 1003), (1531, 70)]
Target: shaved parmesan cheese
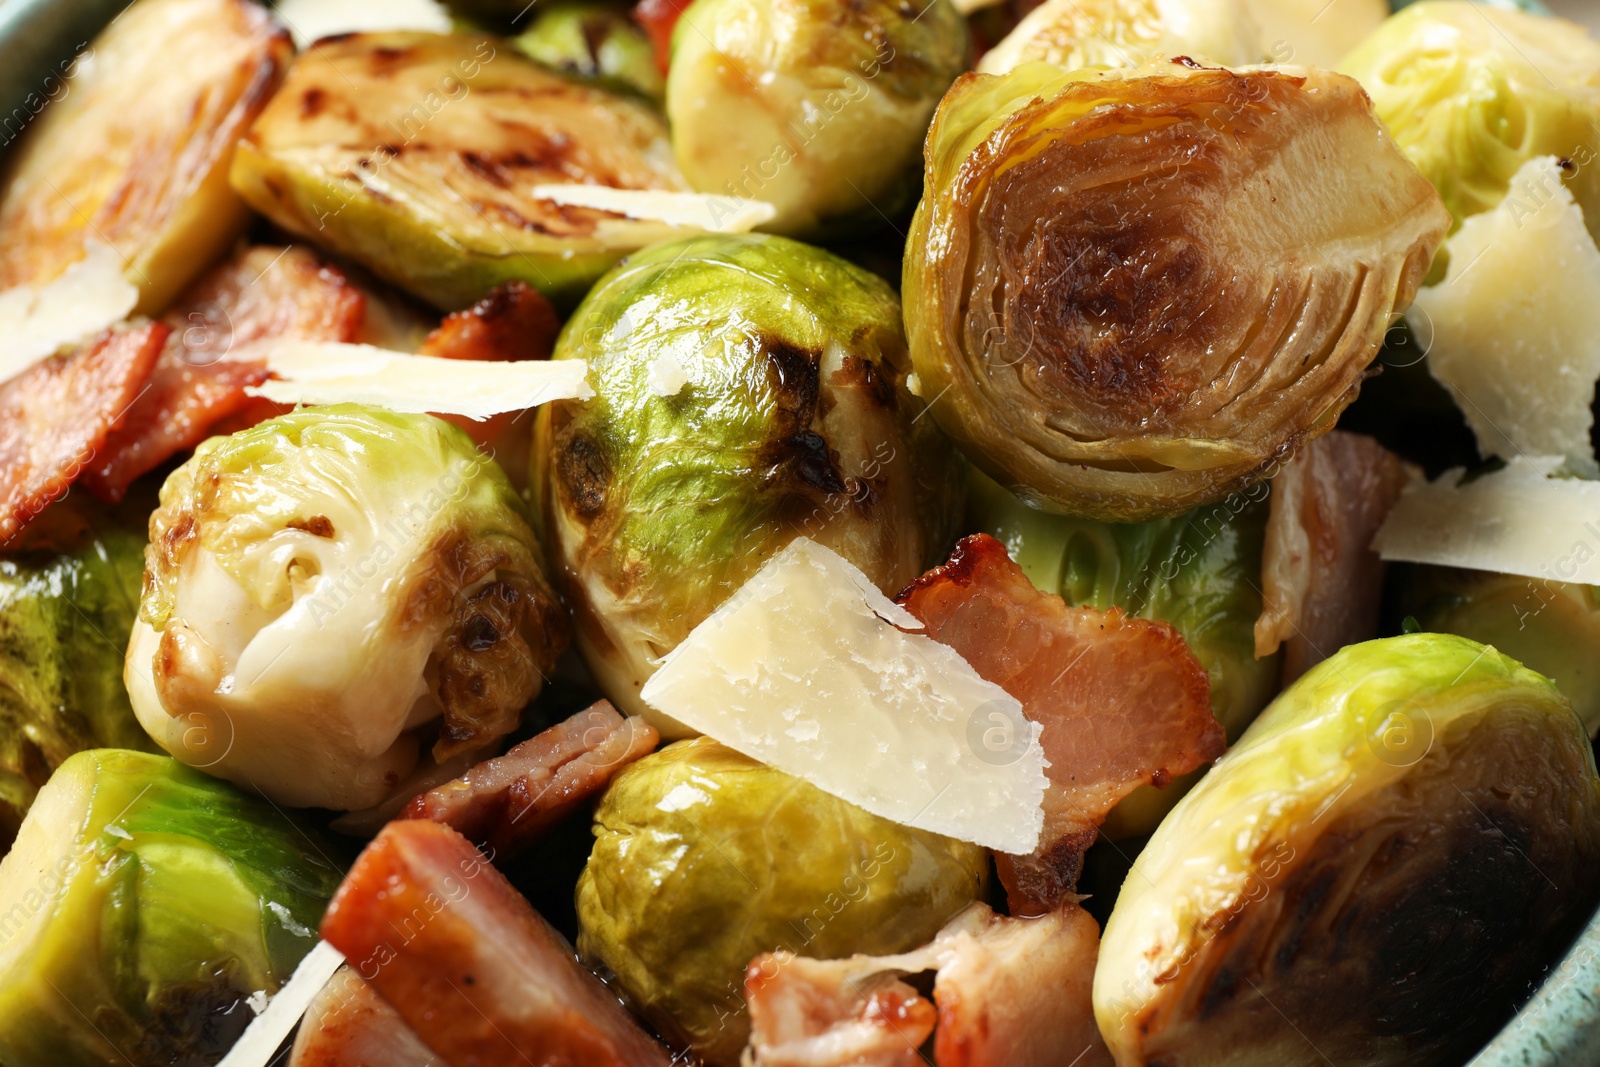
[(260, 1040), (1515, 325), (90, 296), (666, 376), (968, 7), (312, 20), (691, 211), (329, 373), (1515, 521), (809, 668)]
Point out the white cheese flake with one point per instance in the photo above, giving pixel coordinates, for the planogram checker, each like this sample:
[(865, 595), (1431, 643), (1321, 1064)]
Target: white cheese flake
[(260, 1040), (665, 376), (88, 297), (1513, 331), (312, 20), (809, 668), (330, 373), (1517, 520), (691, 211)]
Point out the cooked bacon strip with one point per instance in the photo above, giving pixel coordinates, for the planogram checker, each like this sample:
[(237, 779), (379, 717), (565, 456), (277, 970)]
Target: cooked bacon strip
[(475, 972), (260, 293), (1123, 701), (349, 1025), (1321, 581), (511, 801), (1010, 993), (55, 416)]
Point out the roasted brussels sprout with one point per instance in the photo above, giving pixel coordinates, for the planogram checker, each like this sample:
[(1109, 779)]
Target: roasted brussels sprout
[(416, 155), (1374, 874), (817, 107), (596, 41), (328, 592), (1553, 627), (1128, 33), (1314, 33), (704, 859), (67, 605), (143, 903), (751, 390), (134, 148), (1068, 262), (1470, 93)]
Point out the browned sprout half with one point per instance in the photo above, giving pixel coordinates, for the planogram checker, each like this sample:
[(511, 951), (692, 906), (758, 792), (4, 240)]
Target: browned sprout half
[(1132, 292), (417, 156), (134, 148)]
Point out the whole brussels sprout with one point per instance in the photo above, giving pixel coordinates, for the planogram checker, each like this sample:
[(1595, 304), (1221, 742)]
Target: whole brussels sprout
[(1200, 571), (818, 107), (594, 41), (142, 904), (1065, 271), (704, 859), (1553, 627), (750, 389), (1374, 874), (328, 593), (1470, 93), (67, 605)]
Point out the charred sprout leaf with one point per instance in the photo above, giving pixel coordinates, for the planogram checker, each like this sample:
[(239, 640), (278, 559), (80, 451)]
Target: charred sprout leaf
[(1374, 874), (751, 390), (331, 592), (1470, 93), (594, 41), (67, 605), (152, 900), (415, 155), (814, 106), (1553, 627), (1065, 289), (135, 147), (704, 859), (1127, 33)]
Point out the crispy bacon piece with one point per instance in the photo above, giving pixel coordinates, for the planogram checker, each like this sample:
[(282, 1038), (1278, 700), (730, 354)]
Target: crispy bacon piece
[(1123, 701), (260, 293), (1009, 993), (658, 18), (1321, 582), (477, 974), (349, 1025), (56, 416), (511, 801)]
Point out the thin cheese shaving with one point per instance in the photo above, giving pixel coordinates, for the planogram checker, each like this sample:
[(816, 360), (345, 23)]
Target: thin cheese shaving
[(1517, 520), (691, 211), (90, 296), (260, 1040), (809, 668), (312, 20), (330, 373)]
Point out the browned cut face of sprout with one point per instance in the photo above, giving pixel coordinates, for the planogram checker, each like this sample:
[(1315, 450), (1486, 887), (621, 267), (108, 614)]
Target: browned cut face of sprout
[(1132, 292)]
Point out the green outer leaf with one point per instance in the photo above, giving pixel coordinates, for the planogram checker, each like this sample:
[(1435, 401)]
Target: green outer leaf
[(148, 898), (594, 41)]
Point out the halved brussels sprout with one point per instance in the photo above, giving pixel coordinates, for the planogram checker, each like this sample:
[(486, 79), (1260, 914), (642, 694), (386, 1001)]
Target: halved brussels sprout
[(67, 605), (595, 41), (1374, 874), (1130, 293), (1471, 92), (750, 390), (815, 106), (329, 593), (1553, 627), (142, 905), (1128, 33), (416, 155), (704, 859), (134, 147)]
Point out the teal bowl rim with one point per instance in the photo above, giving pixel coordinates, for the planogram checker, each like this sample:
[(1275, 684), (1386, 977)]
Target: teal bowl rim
[(1558, 1027)]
